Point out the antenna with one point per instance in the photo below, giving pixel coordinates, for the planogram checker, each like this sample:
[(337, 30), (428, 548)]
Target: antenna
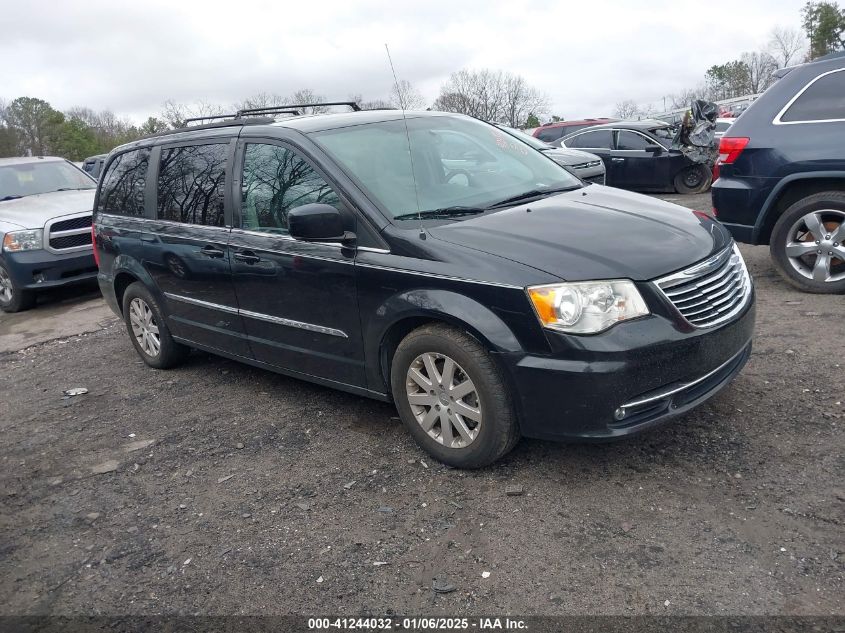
[(408, 137)]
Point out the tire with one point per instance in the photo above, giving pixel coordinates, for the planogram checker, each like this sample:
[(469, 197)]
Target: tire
[(146, 326), (808, 243), (12, 297), (483, 439), (693, 179)]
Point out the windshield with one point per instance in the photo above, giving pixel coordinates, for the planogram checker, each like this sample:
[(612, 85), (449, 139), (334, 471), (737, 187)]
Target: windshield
[(27, 179), (527, 138), (459, 165)]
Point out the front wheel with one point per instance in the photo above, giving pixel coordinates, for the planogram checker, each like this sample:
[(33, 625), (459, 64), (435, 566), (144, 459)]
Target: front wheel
[(451, 397), (693, 179), (12, 298), (808, 243)]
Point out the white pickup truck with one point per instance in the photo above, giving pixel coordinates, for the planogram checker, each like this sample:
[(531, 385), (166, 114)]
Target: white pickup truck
[(45, 228)]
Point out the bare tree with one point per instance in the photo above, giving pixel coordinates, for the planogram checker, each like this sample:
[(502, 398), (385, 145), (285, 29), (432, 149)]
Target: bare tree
[(403, 95), (260, 100), (627, 109), (491, 96), (175, 113), (306, 95), (760, 66), (786, 45)]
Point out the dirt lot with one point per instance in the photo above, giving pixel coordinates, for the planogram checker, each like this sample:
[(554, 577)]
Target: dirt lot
[(230, 490)]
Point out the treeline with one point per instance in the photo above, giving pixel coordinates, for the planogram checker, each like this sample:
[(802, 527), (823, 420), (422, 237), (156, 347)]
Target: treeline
[(31, 126), (822, 32)]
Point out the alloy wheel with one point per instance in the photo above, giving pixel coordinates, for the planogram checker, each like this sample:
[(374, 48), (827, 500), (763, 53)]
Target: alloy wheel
[(144, 327), (6, 289), (816, 245), (444, 400)]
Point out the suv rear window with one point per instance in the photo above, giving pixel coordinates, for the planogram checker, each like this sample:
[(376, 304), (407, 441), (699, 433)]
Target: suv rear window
[(823, 100), (551, 134), (191, 184), (122, 189)]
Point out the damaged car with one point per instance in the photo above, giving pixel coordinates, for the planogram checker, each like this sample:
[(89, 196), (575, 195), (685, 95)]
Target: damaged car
[(651, 155)]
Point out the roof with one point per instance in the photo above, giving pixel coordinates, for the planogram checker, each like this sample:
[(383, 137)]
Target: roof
[(569, 123), (21, 160), (643, 124), (319, 122)]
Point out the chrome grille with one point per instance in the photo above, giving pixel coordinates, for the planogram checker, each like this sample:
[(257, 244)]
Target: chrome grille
[(69, 234), (712, 291)]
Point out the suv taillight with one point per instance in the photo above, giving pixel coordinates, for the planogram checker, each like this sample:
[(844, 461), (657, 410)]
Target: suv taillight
[(730, 147)]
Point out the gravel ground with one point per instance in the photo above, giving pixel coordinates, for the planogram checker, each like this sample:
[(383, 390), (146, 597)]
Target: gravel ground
[(217, 488)]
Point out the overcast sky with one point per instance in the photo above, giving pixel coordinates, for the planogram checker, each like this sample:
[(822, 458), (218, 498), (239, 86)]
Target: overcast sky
[(587, 56)]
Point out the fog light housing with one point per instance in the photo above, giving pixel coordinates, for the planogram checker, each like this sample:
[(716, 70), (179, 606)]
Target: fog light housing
[(620, 413)]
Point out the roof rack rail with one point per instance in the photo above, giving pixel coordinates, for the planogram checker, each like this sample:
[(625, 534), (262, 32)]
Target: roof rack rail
[(239, 114), (269, 110)]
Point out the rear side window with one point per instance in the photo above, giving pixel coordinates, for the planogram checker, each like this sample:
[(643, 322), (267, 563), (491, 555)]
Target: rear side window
[(822, 101), (122, 188), (632, 141), (191, 184), (275, 181), (598, 139)]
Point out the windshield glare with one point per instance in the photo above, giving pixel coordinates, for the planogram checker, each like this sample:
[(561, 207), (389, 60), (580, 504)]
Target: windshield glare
[(457, 162), (27, 179)]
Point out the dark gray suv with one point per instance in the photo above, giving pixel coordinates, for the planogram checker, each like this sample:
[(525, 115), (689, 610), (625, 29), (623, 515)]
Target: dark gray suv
[(781, 175)]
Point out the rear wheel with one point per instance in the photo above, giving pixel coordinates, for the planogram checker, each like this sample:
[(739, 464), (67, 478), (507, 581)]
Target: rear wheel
[(452, 398), (693, 179), (148, 330), (13, 298), (808, 243)]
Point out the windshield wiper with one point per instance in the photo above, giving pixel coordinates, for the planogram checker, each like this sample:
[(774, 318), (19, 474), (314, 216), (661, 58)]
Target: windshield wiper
[(75, 188), (4, 198), (534, 193), (445, 212)]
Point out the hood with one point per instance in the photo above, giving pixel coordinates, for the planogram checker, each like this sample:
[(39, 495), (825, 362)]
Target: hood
[(594, 232), (569, 157), (32, 212)]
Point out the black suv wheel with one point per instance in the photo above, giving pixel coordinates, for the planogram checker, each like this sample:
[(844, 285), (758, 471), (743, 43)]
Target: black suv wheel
[(451, 397), (808, 243)]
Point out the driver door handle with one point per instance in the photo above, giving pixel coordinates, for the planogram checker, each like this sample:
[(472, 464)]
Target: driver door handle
[(617, 160), (247, 257), (211, 251)]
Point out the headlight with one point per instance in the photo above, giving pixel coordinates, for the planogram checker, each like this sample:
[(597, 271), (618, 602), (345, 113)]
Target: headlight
[(587, 307), (23, 240)]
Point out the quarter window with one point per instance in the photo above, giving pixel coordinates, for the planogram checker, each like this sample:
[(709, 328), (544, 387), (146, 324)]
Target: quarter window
[(122, 189), (275, 181), (822, 101), (598, 139), (191, 184)]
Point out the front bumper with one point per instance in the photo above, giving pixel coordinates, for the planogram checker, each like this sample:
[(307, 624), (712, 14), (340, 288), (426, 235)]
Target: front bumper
[(651, 367), (40, 268)]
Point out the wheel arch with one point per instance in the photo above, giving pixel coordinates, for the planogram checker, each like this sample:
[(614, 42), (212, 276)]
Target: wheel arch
[(789, 191), (405, 312), (127, 271)]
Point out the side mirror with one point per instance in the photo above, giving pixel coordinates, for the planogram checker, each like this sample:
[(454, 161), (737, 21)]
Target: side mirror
[(317, 223), (654, 149)]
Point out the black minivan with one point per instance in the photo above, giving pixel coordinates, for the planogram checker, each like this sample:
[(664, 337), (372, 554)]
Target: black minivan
[(434, 261)]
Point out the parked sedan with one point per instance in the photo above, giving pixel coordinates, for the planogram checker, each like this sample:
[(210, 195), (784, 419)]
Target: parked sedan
[(637, 156), (586, 166)]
